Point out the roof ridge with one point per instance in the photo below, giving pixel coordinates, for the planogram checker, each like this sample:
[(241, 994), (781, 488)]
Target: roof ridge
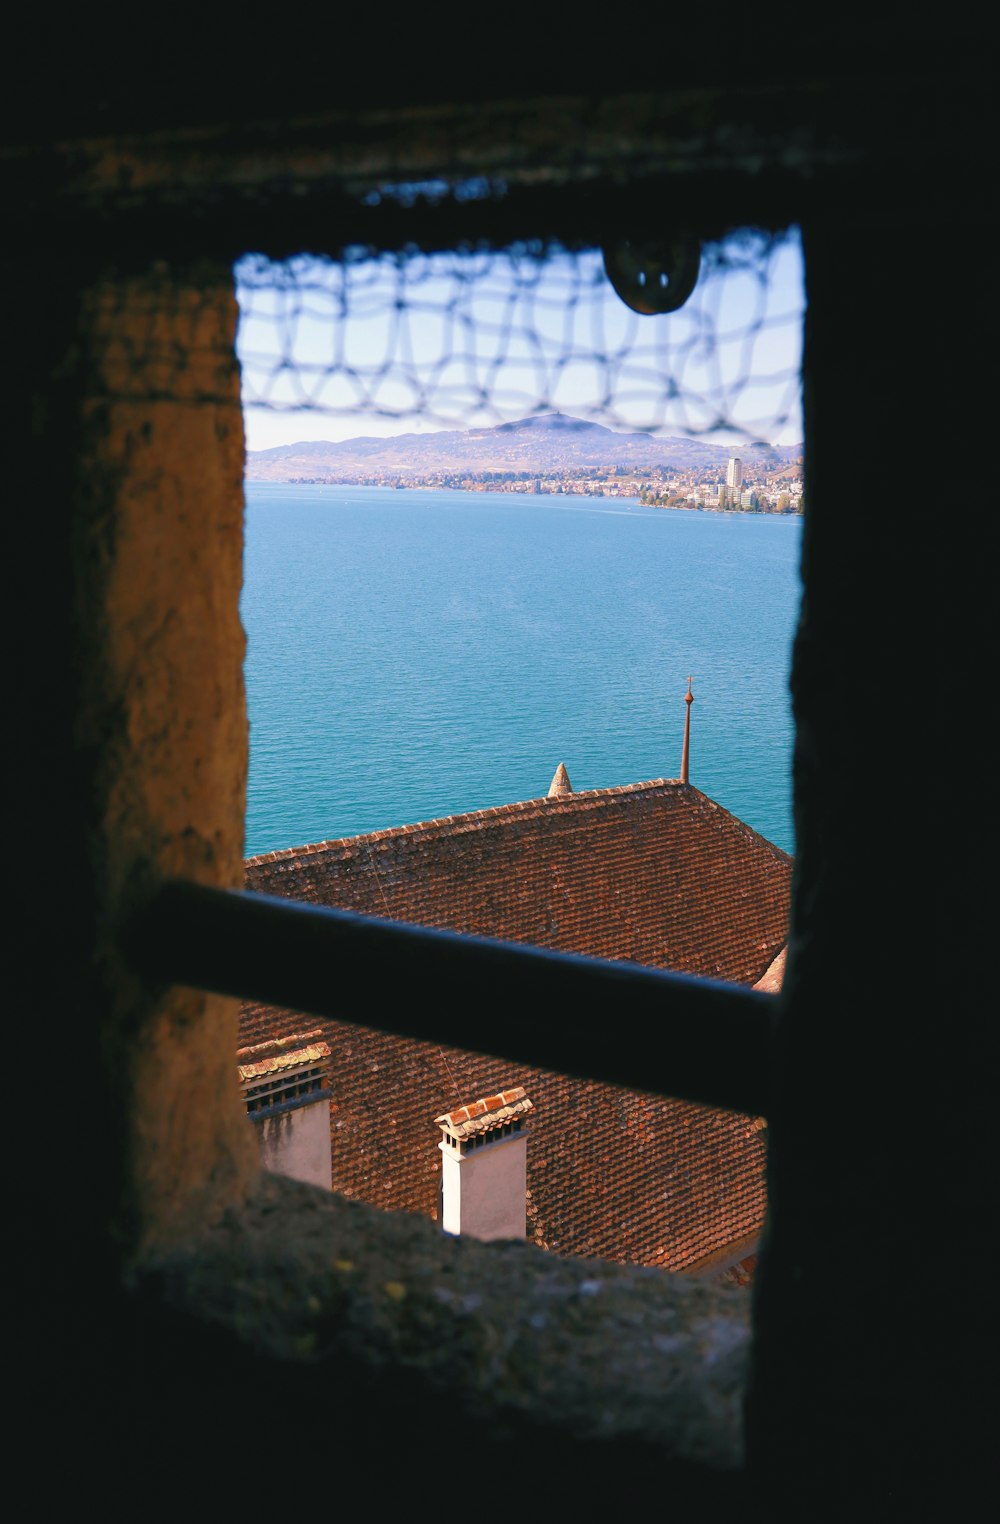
[(750, 830), (470, 820)]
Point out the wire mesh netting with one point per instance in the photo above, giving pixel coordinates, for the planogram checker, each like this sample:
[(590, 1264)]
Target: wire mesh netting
[(478, 338)]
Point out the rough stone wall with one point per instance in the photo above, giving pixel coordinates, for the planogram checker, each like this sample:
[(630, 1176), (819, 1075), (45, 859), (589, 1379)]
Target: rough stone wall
[(130, 541), (164, 692)]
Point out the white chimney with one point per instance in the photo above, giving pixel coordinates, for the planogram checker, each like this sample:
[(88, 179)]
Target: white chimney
[(484, 1167), (286, 1090)]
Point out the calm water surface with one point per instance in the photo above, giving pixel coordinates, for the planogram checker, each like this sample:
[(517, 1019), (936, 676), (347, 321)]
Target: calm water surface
[(415, 654)]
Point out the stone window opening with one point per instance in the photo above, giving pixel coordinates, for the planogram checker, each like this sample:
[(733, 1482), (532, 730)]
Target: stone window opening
[(201, 1281), (711, 1387)]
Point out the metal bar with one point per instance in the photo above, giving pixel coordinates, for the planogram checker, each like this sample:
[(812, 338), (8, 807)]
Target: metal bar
[(619, 1023)]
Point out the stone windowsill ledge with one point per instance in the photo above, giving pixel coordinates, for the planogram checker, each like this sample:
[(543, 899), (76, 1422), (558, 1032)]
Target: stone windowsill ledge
[(504, 1335)]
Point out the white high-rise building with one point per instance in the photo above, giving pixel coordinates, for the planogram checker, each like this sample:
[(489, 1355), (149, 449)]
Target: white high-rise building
[(734, 476)]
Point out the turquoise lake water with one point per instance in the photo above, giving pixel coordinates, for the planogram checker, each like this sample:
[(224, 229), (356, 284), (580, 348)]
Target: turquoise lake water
[(414, 654)]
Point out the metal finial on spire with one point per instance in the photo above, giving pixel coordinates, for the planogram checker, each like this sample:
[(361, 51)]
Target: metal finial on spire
[(686, 753)]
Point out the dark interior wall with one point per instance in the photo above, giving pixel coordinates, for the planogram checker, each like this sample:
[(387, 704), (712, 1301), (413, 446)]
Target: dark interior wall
[(878, 1143), (870, 1386)]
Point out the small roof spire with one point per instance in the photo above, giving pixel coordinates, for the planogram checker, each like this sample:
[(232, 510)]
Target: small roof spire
[(686, 753), (560, 783)]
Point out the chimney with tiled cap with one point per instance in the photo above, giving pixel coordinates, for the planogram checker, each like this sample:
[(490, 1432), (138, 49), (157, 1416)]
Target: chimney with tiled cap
[(286, 1091), (484, 1167), (560, 783)]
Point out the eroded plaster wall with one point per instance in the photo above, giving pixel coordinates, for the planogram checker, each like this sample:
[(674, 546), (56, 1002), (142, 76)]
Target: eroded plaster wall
[(483, 1190), (296, 1143)]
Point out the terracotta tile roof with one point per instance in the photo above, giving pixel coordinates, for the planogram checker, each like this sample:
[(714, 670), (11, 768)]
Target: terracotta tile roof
[(655, 872), (486, 1115), (611, 1173)]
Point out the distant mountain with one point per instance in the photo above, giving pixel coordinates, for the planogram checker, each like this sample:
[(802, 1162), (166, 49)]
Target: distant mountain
[(548, 442)]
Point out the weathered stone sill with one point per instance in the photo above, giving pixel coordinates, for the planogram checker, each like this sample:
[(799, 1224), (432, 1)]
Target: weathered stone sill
[(379, 1327)]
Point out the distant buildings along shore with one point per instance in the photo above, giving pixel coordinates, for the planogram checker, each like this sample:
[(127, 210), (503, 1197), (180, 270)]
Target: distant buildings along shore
[(709, 488)]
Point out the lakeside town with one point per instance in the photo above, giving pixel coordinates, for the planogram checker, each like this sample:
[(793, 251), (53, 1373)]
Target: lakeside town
[(552, 454), (739, 487)]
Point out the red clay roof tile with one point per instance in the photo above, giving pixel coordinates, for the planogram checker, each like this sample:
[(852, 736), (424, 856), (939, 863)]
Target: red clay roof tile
[(656, 873)]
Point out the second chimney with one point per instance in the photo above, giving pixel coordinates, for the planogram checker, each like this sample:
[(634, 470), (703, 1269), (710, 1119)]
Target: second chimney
[(484, 1167)]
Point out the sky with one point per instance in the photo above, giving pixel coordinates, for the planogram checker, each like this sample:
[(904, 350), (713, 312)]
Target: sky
[(404, 344)]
